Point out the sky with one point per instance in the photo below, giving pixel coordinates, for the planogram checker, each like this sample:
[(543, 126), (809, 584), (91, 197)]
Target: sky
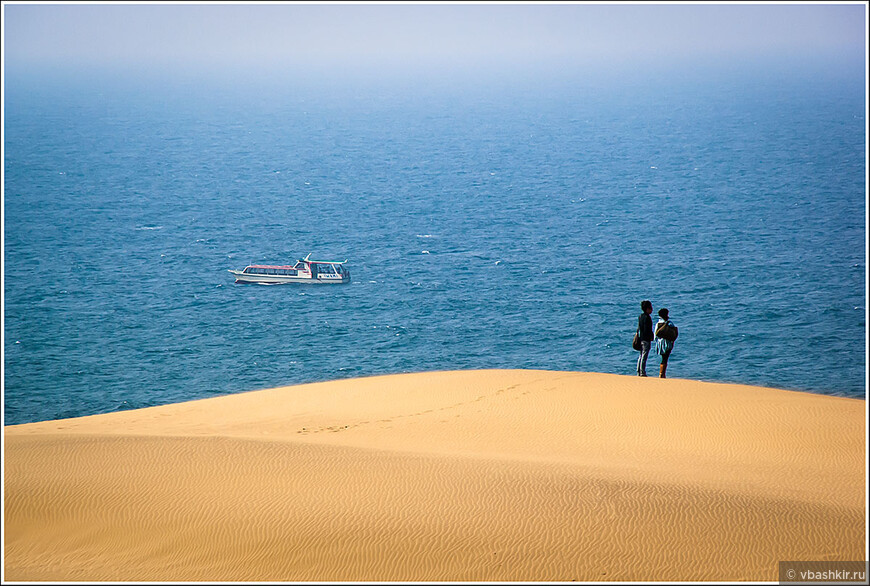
[(423, 37)]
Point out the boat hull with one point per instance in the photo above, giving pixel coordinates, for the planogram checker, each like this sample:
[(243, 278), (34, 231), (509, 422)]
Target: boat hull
[(248, 278)]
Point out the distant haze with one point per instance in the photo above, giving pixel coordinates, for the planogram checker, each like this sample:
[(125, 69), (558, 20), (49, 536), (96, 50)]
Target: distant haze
[(421, 38)]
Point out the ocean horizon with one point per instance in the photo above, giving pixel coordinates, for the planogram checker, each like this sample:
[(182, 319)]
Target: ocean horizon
[(509, 225)]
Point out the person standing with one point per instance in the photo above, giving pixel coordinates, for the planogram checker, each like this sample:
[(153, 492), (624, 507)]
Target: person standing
[(666, 333), (645, 334)]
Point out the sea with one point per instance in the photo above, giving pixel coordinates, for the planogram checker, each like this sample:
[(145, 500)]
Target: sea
[(512, 224)]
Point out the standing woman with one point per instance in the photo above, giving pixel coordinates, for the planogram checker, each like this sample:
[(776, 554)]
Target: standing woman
[(645, 334), (666, 334)]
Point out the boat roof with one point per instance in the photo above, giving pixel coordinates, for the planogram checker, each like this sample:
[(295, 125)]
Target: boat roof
[(330, 262)]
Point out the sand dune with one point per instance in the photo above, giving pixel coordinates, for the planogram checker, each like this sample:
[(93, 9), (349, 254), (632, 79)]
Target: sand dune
[(471, 475)]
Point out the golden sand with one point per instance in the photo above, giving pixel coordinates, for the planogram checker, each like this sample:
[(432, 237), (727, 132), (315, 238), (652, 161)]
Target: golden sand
[(488, 475)]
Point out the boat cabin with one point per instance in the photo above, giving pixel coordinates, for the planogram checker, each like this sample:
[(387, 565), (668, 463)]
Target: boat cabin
[(305, 270)]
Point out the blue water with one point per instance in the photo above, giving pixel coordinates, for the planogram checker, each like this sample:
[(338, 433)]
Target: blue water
[(509, 227)]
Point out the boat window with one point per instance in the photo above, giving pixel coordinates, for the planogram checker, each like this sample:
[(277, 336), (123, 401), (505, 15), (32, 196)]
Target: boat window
[(247, 270)]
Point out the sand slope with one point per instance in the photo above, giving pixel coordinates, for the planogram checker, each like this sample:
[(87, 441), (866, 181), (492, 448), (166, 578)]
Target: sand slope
[(471, 475)]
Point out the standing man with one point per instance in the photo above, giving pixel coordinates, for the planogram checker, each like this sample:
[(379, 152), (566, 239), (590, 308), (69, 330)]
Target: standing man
[(645, 333)]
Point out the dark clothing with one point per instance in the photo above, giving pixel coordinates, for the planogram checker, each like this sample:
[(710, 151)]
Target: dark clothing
[(665, 357), (644, 328)]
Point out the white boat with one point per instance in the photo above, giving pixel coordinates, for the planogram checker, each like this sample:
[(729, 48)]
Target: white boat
[(304, 271)]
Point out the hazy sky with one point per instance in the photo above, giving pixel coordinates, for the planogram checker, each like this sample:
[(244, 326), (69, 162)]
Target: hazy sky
[(419, 36)]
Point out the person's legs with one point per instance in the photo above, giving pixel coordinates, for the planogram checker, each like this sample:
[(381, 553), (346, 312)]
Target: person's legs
[(664, 367), (641, 360)]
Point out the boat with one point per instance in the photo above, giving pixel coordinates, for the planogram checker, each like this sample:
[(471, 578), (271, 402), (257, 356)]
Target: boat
[(303, 271)]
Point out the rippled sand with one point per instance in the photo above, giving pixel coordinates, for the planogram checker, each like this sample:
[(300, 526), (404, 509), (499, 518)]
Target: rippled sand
[(470, 475)]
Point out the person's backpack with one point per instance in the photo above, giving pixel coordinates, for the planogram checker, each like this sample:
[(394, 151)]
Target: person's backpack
[(667, 331)]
